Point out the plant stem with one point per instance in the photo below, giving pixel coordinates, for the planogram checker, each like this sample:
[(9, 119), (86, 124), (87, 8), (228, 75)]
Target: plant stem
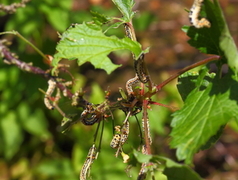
[(25, 40), (174, 76)]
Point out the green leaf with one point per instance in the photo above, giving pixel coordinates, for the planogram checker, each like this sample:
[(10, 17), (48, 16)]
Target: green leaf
[(175, 171), (213, 139), (87, 43), (191, 79), (100, 18), (217, 38), (125, 6), (142, 158), (204, 112), (12, 134)]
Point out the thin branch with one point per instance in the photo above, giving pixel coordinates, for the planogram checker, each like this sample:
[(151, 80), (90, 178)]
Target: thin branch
[(13, 7), (26, 41), (10, 58), (174, 76)]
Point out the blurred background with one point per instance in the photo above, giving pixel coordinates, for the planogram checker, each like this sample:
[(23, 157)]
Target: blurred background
[(31, 144)]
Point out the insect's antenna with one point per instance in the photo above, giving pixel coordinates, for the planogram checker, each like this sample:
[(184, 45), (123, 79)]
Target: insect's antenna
[(141, 136)]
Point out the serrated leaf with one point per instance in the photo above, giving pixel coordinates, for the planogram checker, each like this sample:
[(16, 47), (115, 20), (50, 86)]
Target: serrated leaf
[(213, 139), (175, 171), (217, 38), (100, 18), (204, 112), (125, 6), (186, 83), (87, 43)]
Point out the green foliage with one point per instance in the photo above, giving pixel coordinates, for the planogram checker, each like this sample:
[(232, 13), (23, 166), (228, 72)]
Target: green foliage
[(125, 6), (217, 39), (204, 112), (208, 99), (172, 170), (87, 43), (177, 171)]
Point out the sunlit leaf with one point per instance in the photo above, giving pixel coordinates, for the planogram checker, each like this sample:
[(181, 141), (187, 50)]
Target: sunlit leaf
[(86, 43), (100, 18), (204, 112), (125, 6)]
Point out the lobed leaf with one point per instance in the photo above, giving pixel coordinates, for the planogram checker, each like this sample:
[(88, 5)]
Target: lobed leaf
[(86, 43), (205, 111)]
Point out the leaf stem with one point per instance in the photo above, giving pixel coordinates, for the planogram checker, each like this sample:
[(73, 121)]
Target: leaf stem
[(174, 76), (26, 41)]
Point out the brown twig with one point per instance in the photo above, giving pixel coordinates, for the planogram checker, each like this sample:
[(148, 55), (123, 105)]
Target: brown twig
[(13, 7), (11, 59)]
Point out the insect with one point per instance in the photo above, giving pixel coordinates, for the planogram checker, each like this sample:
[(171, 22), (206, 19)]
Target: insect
[(140, 69), (50, 90), (116, 138), (92, 155), (89, 116), (128, 31), (124, 132), (94, 112), (194, 15), (129, 85), (139, 65)]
